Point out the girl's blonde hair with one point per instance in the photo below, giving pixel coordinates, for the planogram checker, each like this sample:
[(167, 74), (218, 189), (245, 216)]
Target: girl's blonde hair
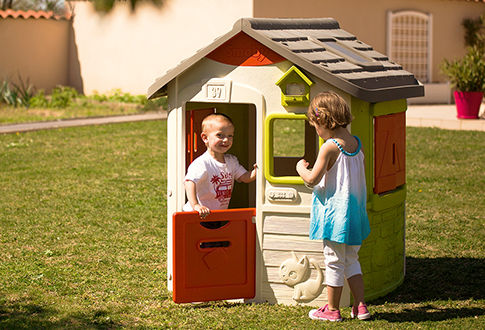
[(329, 110)]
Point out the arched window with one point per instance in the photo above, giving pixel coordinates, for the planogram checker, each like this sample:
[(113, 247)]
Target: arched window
[(409, 42)]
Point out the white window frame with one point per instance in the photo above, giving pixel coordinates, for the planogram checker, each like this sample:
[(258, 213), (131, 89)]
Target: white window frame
[(391, 15)]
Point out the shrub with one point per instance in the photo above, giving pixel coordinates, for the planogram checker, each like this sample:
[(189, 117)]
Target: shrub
[(16, 94), (468, 73), (117, 95), (63, 96), (39, 100), (150, 105)]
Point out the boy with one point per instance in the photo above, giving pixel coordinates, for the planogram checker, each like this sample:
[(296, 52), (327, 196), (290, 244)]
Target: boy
[(210, 177)]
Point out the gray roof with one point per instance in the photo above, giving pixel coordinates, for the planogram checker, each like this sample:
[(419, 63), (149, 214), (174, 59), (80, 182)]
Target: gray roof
[(320, 47)]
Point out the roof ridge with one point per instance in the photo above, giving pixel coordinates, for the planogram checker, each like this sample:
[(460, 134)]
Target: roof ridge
[(36, 14), (327, 23)]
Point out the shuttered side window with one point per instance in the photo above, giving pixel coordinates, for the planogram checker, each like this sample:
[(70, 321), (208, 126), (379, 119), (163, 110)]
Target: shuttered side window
[(409, 42), (389, 152)]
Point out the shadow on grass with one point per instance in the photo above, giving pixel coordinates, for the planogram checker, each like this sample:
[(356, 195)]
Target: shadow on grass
[(26, 314), (440, 279), (429, 313), (429, 279)]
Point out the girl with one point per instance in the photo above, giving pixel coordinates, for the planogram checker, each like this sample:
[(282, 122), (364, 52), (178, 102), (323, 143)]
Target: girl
[(338, 214)]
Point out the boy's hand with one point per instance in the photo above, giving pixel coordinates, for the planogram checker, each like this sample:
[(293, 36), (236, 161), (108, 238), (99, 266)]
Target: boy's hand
[(203, 211), (248, 176), (253, 172)]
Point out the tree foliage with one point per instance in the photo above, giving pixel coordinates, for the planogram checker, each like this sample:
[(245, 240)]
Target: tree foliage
[(56, 6), (107, 5), (475, 31)]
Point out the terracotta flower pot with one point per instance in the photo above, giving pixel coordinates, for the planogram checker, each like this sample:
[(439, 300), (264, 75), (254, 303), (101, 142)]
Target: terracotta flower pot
[(468, 104)]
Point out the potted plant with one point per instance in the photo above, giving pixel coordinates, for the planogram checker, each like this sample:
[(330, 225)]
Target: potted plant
[(467, 76)]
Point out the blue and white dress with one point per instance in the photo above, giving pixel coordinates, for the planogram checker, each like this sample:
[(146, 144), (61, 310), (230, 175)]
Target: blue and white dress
[(339, 211)]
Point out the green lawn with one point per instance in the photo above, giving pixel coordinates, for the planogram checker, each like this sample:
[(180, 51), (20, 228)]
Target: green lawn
[(11, 115), (83, 236), (83, 107)]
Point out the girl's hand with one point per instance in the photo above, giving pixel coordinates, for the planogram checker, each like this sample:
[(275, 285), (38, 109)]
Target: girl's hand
[(302, 164), (203, 211)]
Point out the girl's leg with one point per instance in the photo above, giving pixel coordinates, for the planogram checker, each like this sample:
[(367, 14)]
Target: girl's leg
[(356, 284), (334, 254), (334, 293), (353, 273), (359, 308)]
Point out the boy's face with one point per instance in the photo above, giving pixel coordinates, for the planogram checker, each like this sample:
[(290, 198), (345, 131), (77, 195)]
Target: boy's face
[(218, 136)]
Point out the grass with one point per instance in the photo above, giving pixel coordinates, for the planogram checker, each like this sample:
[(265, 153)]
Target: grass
[(11, 115), (80, 108), (83, 236)]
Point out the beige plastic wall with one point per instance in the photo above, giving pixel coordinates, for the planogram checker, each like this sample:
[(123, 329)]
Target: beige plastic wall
[(367, 20), (129, 50), (37, 50)]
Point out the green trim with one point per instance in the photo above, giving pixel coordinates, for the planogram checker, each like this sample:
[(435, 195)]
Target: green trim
[(388, 107), (294, 75), (298, 72), (387, 200), (363, 127), (268, 149)]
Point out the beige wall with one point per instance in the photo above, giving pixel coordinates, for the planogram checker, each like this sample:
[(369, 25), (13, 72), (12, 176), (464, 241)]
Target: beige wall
[(367, 20), (35, 49), (128, 51)]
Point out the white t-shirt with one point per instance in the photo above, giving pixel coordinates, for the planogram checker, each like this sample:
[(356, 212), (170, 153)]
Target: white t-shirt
[(214, 180)]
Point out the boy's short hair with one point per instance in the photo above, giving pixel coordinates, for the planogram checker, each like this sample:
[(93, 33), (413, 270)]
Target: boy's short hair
[(328, 109), (215, 116)]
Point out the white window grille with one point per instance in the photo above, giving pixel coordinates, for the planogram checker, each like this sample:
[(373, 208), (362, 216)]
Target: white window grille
[(409, 42)]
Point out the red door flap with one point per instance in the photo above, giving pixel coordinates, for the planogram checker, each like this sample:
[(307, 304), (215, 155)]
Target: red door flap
[(214, 258)]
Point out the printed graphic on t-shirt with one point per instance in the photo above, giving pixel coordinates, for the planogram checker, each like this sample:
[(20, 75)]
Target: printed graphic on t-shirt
[(222, 184)]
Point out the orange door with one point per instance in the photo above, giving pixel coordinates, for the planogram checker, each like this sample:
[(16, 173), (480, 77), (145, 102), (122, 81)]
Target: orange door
[(194, 143), (390, 152), (214, 258)]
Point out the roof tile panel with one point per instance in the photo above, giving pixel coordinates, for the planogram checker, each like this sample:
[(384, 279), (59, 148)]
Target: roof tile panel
[(302, 45), (321, 57), (375, 55), (278, 35), (342, 67), (356, 44)]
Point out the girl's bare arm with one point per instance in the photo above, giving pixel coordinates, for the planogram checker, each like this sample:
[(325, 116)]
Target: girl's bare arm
[(328, 153)]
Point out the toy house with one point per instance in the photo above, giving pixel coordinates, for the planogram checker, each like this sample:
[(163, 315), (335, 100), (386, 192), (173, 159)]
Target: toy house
[(263, 73)]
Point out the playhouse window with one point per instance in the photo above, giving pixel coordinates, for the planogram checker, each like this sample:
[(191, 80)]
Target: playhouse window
[(289, 138)]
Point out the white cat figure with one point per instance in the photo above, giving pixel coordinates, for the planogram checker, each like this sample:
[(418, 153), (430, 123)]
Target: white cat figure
[(296, 272)]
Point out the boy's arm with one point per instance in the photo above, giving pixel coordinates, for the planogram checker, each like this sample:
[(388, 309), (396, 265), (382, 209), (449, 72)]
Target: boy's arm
[(248, 176), (190, 190)]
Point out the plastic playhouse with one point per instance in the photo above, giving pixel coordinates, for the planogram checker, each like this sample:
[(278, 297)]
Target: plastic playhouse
[(262, 74)]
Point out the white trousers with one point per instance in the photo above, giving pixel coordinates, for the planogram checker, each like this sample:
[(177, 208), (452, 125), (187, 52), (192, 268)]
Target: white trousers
[(341, 262)]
